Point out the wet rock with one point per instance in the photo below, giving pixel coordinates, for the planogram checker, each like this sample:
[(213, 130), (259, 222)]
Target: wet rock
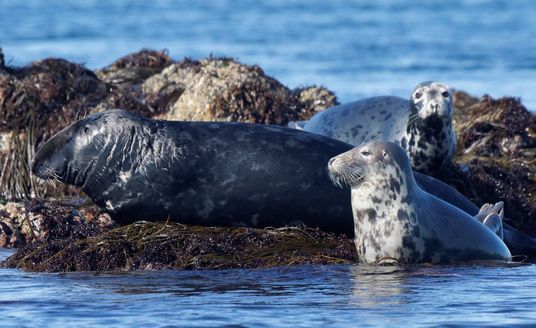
[(154, 246), (39, 221)]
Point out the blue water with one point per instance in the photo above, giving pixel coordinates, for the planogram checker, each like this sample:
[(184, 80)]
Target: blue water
[(356, 48), (343, 296)]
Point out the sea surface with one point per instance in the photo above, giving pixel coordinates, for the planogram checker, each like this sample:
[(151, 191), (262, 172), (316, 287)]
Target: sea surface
[(306, 296), (356, 48)]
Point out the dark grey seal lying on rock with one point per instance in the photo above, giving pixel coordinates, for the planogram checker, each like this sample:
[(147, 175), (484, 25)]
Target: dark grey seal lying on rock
[(212, 174)]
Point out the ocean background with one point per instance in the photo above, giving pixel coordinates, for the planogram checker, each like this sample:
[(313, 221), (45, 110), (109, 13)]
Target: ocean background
[(355, 48)]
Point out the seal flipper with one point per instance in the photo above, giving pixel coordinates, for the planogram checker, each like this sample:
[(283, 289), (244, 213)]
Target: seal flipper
[(488, 209), (494, 222), (492, 216)]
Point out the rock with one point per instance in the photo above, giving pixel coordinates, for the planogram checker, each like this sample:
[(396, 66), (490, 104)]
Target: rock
[(161, 245), (314, 99), (222, 89), (37, 101), (495, 157), (463, 99), (39, 221), (133, 69)]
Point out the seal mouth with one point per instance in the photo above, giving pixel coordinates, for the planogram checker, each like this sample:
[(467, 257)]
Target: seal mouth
[(46, 173)]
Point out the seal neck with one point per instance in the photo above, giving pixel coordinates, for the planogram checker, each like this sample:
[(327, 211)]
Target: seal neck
[(430, 143)]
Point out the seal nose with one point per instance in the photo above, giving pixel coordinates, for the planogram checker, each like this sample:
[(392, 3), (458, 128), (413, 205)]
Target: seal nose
[(331, 160), (434, 107)]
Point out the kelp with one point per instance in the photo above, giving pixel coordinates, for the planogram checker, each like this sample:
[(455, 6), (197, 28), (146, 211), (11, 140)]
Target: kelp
[(165, 245)]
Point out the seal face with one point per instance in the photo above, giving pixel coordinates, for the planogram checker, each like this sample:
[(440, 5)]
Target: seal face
[(396, 221), (422, 126)]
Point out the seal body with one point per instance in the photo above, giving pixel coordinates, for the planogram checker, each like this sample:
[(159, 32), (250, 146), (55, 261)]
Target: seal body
[(396, 221), (422, 126), (215, 174)]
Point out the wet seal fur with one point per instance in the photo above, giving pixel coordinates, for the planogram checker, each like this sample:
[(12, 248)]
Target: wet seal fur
[(213, 174), (422, 126), (396, 221)]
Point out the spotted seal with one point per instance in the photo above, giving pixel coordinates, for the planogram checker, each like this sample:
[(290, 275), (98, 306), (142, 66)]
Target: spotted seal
[(422, 126), (396, 221), (207, 173)]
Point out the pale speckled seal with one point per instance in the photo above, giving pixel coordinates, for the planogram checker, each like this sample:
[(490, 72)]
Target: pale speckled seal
[(226, 174), (396, 221), (422, 126)]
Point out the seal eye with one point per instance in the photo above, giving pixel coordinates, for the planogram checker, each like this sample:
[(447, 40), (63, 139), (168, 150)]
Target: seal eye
[(445, 94), (418, 95), (86, 129), (365, 153)]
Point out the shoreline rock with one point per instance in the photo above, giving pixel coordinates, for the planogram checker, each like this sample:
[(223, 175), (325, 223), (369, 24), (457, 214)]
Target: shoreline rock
[(68, 237)]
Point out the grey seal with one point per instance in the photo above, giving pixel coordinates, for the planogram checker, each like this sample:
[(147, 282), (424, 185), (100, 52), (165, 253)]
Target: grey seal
[(422, 126), (396, 221), (202, 173)]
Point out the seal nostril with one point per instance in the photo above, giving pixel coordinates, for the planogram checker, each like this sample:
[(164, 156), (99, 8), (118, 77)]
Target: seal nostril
[(330, 162)]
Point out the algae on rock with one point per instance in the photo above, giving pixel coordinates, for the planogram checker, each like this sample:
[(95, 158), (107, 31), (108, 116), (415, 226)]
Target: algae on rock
[(222, 89)]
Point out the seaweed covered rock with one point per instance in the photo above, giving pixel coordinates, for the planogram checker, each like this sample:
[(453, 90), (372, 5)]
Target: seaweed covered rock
[(132, 69), (39, 221), (35, 102), (162, 245), (222, 89), (495, 159)]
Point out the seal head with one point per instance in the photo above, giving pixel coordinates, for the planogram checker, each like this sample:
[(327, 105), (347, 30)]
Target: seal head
[(429, 138), (70, 155)]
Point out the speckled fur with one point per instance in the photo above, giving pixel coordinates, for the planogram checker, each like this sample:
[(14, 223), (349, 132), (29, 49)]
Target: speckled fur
[(396, 221), (422, 126)]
